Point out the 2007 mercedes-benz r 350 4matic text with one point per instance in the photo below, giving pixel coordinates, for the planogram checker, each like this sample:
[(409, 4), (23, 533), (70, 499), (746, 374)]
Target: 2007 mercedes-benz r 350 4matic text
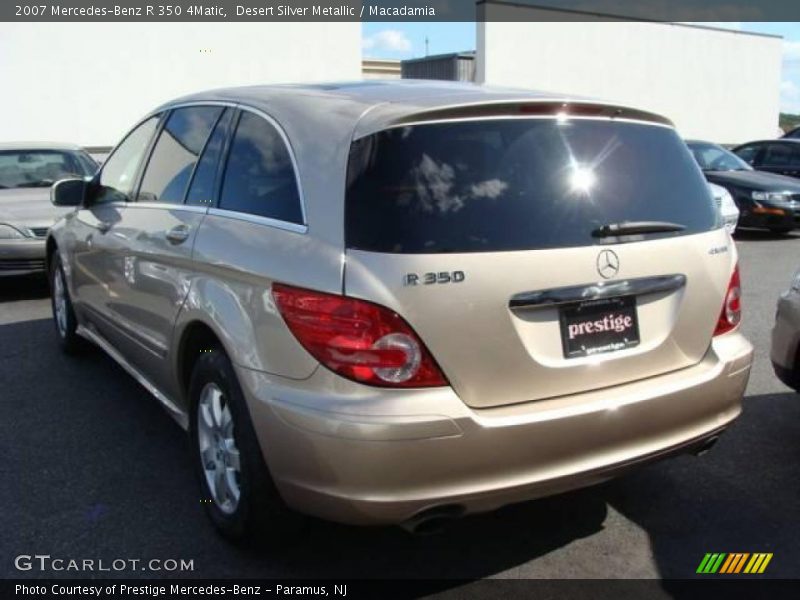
[(392, 303)]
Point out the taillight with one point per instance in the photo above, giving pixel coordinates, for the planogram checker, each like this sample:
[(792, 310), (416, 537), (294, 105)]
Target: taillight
[(731, 314), (359, 340)]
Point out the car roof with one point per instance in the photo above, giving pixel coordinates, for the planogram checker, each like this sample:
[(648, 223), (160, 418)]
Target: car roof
[(365, 107), (321, 121), (38, 146), (776, 141)]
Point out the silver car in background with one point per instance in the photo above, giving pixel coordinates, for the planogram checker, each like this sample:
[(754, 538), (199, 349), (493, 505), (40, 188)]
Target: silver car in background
[(403, 302), (27, 170), (785, 352)]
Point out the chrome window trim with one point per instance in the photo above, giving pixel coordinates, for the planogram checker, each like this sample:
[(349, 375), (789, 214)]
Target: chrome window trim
[(287, 225), (175, 105), (162, 205), (193, 208), (114, 204), (258, 220)]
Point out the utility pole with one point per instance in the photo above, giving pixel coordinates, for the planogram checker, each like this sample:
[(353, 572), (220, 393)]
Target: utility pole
[(427, 43)]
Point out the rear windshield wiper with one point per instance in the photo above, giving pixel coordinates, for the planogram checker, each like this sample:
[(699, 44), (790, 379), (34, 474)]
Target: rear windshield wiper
[(635, 227)]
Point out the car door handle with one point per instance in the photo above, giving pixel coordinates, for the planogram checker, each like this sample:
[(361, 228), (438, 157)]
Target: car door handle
[(178, 234)]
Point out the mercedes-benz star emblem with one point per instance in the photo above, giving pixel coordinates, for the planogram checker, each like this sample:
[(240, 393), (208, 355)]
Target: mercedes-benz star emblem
[(607, 264)]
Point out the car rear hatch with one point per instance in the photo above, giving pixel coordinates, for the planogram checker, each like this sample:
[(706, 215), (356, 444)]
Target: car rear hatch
[(491, 237)]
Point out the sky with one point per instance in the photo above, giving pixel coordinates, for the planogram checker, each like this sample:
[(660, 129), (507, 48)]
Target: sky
[(407, 40)]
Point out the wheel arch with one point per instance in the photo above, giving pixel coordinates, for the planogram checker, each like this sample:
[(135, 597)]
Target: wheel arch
[(195, 337), (51, 247)]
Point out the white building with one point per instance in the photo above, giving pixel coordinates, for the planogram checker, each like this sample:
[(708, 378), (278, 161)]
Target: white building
[(88, 83), (714, 84), (380, 68)]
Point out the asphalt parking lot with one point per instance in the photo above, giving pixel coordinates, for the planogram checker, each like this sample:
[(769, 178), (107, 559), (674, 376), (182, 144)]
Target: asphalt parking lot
[(93, 468)]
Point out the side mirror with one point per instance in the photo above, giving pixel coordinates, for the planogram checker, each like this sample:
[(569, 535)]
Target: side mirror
[(68, 192)]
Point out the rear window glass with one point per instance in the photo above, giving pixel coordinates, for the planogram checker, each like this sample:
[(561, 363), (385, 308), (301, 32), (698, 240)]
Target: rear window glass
[(518, 184)]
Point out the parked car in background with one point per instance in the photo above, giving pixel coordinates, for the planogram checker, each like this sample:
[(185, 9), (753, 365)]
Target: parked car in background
[(727, 207), (765, 200), (27, 170), (792, 134), (781, 157), (785, 352), (99, 156), (404, 302)]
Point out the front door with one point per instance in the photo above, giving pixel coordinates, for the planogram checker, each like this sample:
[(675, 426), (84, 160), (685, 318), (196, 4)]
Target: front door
[(100, 235)]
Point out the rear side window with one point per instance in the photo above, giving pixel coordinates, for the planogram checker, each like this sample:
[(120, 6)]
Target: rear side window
[(748, 153), (175, 154), (779, 155), (527, 184), (259, 177)]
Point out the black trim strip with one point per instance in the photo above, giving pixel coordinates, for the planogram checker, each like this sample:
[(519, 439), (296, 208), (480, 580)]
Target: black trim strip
[(597, 291)]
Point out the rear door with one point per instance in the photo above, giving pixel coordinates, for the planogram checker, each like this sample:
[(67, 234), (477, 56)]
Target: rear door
[(488, 237)]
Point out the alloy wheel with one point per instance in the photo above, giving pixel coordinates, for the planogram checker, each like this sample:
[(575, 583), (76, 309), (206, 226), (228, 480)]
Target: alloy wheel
[(60, 302), (219, 454)]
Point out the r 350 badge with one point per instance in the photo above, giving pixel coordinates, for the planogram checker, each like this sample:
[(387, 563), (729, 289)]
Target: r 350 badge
[(433, 278)]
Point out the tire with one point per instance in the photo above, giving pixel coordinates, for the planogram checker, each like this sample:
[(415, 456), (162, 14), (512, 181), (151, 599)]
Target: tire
[(243, 504), (63, 314)]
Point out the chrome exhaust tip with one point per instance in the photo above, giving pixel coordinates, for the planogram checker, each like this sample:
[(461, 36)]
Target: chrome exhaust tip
[(432, 520), (706, 446)]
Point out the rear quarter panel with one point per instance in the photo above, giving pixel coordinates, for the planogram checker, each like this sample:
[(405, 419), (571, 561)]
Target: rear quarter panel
[(236, 263)]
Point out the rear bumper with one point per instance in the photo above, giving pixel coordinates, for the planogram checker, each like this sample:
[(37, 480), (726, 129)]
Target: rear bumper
[(358, 455), (786, 338), (19, 257)]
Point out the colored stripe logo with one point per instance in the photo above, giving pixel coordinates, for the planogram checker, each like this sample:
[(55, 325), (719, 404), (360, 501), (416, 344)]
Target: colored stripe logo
[(734, 563)]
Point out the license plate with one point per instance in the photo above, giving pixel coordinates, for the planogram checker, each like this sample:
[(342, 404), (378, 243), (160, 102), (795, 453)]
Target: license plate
[(599, 326)]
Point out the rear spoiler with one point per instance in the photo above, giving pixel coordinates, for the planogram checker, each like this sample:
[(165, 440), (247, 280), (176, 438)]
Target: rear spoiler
[(509, 108)]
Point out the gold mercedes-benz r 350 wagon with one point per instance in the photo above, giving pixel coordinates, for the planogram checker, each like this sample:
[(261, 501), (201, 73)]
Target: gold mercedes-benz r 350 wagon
[(403, 302)]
